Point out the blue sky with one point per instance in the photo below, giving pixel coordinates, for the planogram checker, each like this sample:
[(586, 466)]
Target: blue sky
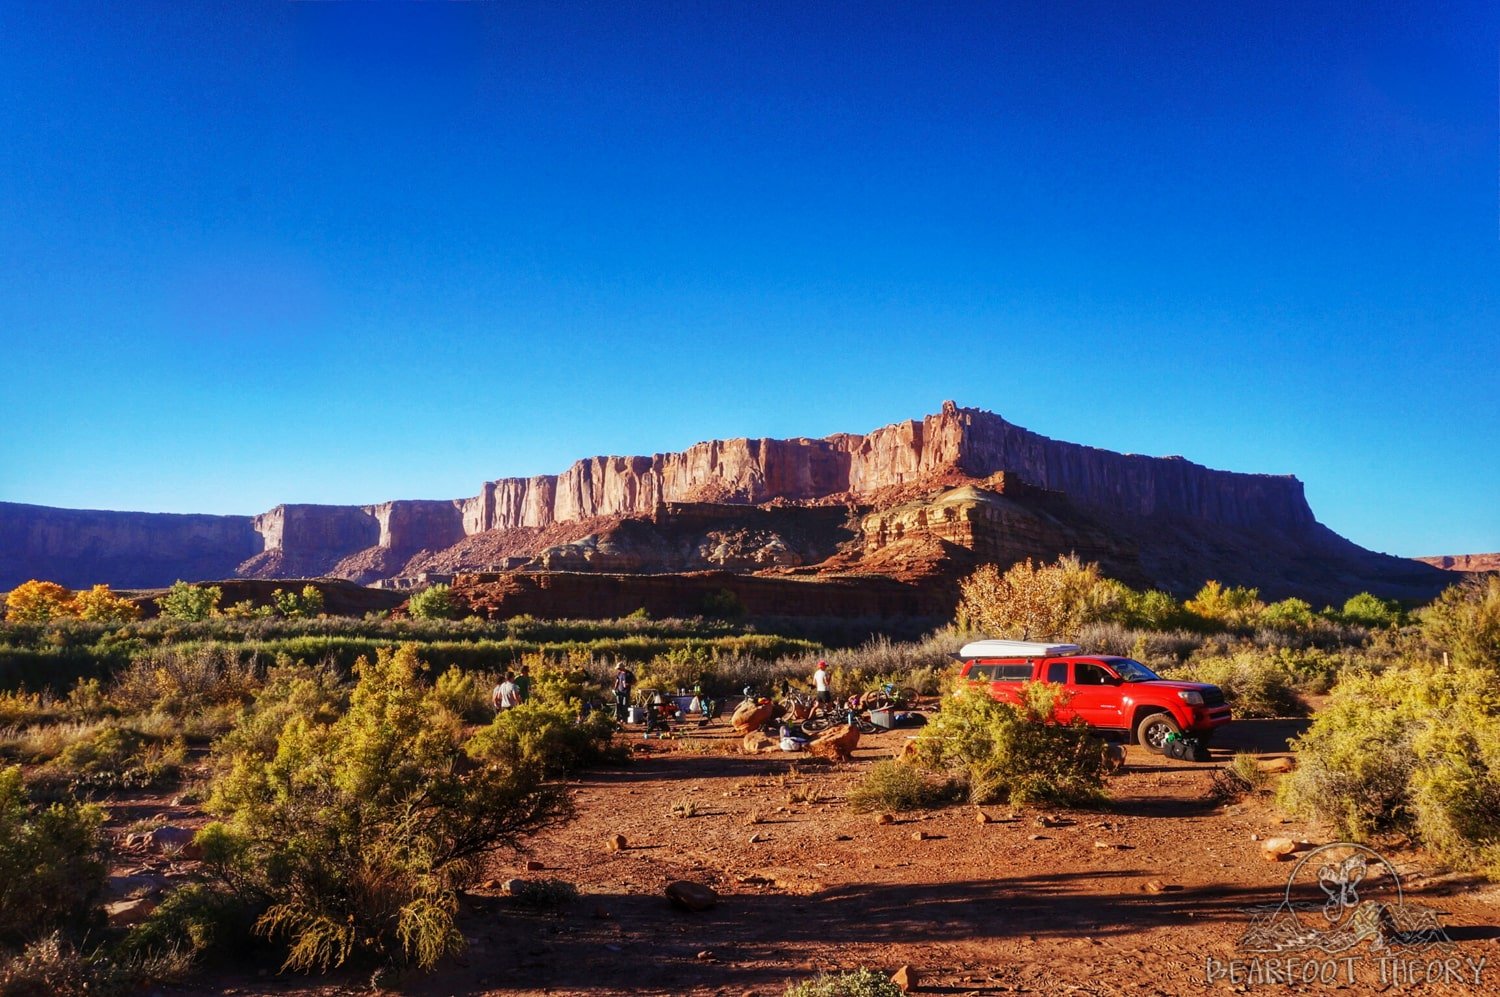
[(255, 253)]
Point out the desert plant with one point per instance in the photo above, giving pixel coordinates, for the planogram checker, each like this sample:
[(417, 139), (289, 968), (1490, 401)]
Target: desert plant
[(433, 603), (184, 602), (52, 863), (1465, 621), (1254, 684), (357, 833), (1368, 610), (1014, 753), (1414, 749), (547, 738), (37, 602), (861, 983), (1229, 608), (544, 893), (1034, 602), (100, 605), (895, 786), (194, 920)]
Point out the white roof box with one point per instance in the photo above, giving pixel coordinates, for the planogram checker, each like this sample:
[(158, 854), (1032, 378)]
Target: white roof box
[(1015, 649)]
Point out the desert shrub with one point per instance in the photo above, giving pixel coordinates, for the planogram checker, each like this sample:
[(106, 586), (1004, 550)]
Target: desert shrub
[(22, 709), (1371, 611), (1014, 753), (1034, 601), (434, 603), (201, 682), (1414, 749), (546, 737), (1254, 684), (37, 602), (113, 755), (1288, 614), (53, 966), (357, 833), (196, 920), (545, 893), (1465, 621), (185, 603), (298, 605), (894, 786), (1232, 608), (52, 863), (861, 983), (99, 604), (464, 694)]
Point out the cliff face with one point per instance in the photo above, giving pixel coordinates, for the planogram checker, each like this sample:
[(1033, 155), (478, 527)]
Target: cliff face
[(1164, 521), (977, 442), (77, 547)]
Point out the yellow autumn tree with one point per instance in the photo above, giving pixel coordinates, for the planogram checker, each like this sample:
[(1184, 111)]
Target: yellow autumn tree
[(1032, 601), (103, 606), (37, 602)]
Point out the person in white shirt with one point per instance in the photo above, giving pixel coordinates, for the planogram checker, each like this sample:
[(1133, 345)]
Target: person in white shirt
[(506, 695), (820, 683)]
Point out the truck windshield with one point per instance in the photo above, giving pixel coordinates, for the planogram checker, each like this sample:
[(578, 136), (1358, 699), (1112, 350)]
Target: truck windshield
[(1133, 671)]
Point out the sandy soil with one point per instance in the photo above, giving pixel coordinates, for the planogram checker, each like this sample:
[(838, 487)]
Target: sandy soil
[(1037, 901)]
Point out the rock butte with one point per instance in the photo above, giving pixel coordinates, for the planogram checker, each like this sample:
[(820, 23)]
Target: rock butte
[(993, 490)]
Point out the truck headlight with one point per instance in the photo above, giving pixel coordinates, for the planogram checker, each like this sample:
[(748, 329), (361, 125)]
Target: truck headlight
[(1192, 697)]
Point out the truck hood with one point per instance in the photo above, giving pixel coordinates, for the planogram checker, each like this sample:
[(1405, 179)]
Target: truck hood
[(1170, 684)]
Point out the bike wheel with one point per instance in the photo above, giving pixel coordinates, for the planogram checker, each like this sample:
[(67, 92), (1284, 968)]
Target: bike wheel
[(817, 723), (864, 725), (908, 695), (876, 699)]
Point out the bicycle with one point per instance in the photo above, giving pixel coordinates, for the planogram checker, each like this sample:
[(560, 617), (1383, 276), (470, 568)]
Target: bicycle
[(826, 715), (889, 696)]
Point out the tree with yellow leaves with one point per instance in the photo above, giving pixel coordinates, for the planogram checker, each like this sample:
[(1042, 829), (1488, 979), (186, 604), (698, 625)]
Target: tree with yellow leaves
[(37, 602), (102, 605)]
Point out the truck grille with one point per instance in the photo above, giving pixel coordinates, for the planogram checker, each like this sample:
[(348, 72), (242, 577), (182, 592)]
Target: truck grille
[(1213, 696)]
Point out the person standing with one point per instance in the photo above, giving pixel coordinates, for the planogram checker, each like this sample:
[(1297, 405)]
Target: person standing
[(523, 683), (820, 683), (624, 682), (506, 696)]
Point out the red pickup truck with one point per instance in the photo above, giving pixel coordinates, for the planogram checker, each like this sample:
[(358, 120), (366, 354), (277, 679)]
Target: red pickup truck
[(1106, 692)]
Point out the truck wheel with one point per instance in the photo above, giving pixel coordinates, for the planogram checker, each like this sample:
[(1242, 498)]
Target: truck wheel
[(1153, 729)]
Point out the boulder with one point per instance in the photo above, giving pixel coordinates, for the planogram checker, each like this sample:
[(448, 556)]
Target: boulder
[(617, 843), (751, 716), (173, 840), (836, 743), (905, 978), (124, 913), (689, 895), (755, 742), (1277, 849)]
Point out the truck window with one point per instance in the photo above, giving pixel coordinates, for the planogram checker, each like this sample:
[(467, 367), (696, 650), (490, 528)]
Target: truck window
[(1012, 673), (1057, 672), (1085, 673), (981, 673)]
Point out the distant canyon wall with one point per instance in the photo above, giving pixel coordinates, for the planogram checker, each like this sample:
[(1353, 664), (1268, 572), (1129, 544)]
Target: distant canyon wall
[(79, 547), (977, 442)]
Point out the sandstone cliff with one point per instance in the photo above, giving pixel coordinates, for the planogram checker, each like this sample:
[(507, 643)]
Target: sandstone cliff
[(1161, 521), (1464, 562)]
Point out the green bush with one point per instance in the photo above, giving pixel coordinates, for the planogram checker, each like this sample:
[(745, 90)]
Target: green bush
[(1371, 611), (113, 756), (1014, 754), (184, 602), (546, 737), (1414, 749), (1465, 621), (862, 983), (195, 920), (52, 863), (358, 831), (1254, 684), (894, 786), (434, 603)]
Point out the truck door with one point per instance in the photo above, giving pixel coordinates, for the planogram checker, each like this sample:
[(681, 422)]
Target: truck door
[(1056, 673), (1095, 695)]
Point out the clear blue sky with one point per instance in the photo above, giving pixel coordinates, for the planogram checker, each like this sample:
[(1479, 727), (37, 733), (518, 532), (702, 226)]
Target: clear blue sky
[(255, 253)]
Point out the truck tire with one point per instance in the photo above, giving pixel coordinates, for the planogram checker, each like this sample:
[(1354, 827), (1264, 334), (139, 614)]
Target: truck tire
[(1153, 729)]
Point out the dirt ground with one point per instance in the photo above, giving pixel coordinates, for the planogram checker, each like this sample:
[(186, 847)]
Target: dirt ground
[(1139, 897)]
